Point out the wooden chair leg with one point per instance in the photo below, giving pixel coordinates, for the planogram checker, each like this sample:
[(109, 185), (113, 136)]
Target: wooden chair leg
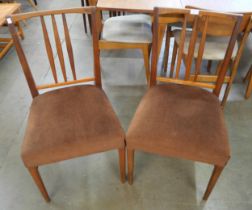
[(32, 4), (209, 65), (20, 30), (225, 97), (167, 47), (37, 179), (218, 67), (35, 2), (146, 56), (130, 158), (89, 17), (215, 175), (249, 87), (122, 164), (174, 56), (84, 17)]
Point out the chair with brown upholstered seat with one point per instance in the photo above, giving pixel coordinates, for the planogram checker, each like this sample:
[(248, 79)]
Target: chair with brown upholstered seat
[(66, 122), (180, 119)]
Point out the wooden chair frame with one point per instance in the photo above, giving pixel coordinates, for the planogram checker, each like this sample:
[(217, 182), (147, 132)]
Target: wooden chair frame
[(183, 15), (109, 45), (245, 30), (248, 78), (34, 89), (245, 27)]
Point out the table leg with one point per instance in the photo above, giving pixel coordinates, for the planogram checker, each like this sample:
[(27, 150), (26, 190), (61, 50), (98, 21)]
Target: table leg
[(84, 17), (32, 4), (161, 32)]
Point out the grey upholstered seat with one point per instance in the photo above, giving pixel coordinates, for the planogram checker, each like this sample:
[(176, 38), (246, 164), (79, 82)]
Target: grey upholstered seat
[(215, 47), (128, 29)]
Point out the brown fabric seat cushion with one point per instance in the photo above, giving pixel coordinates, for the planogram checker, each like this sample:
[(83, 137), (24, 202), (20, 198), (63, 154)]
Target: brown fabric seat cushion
[(70, 122), (180, 121)]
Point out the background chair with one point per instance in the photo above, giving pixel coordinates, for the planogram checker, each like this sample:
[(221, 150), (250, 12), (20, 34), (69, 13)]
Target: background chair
[(180, 119), (126, 32), (66, 122), (245, 29)]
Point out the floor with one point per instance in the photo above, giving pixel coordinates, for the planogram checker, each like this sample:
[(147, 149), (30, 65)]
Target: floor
[(92, 182)]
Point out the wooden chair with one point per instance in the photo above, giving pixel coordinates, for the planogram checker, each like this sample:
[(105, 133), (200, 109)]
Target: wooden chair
[(66, 122), (245, 29), (248, 78), (180, 119), (126, 32)]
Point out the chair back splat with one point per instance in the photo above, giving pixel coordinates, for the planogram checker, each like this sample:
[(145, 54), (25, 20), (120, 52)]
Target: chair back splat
[(62, 75), (191, 48), (245, 29)]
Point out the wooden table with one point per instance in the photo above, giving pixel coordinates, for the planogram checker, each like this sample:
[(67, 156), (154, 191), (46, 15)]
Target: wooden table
[(145, 6), (221, 5), (148, 5), (5, 10)]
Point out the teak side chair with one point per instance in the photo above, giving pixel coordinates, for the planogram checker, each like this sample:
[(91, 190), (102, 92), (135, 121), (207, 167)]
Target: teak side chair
[(67, 122), (180, 119), (245, 30), (126, 32)]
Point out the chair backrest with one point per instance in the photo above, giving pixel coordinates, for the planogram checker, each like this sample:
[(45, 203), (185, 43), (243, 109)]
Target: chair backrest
[(245, 20), (245, 30), (64, 76), (204, 24)]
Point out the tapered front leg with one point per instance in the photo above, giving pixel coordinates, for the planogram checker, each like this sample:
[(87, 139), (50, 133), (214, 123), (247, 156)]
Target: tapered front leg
[(130, 157), (215, 175), (37, 179), (122, 164)]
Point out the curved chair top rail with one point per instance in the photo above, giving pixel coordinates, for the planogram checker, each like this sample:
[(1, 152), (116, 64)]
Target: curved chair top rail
[(58, 72), (28, 15)]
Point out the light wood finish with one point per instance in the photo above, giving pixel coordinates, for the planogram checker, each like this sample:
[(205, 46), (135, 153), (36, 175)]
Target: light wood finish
[(144, 6), (7, 9), (223, 5), (148, 5), (39, 182)]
